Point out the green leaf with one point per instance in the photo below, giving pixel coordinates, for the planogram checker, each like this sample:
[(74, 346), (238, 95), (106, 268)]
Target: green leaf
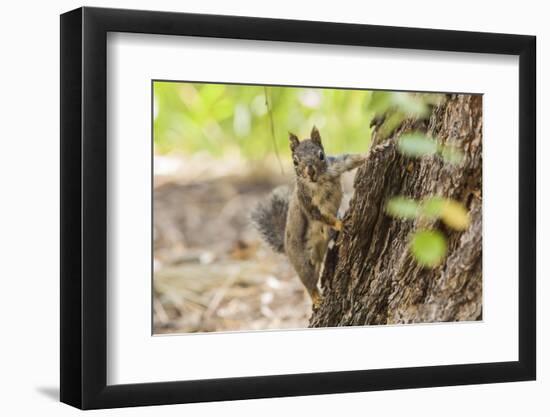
[(451, 154), (391, 122), (453, 213), (417, 144), (433, 98), (429, 247), (380, 101), (433, 207), (402, 207), (410, 104)]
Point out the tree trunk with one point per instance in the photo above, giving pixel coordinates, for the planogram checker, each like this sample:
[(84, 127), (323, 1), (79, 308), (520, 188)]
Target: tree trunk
[(370, 276)]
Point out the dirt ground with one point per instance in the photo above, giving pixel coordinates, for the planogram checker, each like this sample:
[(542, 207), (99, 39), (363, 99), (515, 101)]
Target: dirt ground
[(211, 272)]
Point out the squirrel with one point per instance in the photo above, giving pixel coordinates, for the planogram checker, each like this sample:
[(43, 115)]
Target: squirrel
[(297, 220)]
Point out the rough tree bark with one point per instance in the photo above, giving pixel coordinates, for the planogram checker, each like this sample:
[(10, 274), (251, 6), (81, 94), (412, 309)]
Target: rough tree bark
[(369, 275)]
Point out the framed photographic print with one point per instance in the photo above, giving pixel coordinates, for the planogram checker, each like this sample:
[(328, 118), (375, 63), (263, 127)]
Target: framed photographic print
[(256, 207)]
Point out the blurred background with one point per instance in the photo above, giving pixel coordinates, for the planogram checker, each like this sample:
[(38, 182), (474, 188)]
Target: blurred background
[(218, 150)]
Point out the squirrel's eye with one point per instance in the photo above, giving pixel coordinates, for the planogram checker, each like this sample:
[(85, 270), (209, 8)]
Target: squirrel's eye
[(295, 162), (321, 156)]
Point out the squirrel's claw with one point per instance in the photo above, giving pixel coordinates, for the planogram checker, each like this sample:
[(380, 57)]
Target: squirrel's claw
[(316, 299), (337, 225)]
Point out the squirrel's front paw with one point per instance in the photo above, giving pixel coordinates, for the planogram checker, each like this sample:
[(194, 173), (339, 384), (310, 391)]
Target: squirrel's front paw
[(337, 225), (316, 299)]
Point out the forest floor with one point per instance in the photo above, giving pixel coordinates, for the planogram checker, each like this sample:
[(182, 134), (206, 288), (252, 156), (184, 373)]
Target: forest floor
[(211, 272)]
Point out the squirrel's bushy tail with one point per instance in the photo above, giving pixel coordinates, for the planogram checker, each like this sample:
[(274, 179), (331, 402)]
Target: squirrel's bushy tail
[(269, 217)]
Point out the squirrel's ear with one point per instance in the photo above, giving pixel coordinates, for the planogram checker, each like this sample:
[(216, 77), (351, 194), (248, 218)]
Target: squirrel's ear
[(294, 142), (316, 136)]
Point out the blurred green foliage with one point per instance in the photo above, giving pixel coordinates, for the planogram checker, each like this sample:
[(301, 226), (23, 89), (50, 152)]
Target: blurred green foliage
[(394, 107), (429, 247), (418, 144), (223, 118), (402, 207), (450, 211)]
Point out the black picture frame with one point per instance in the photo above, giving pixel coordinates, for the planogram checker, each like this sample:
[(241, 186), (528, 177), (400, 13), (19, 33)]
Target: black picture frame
[(84, 207)]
